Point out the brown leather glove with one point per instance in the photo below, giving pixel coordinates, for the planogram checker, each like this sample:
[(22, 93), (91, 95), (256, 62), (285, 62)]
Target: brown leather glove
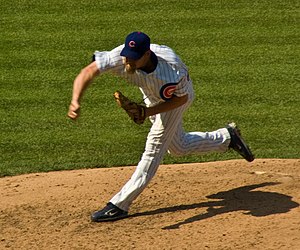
[(135, 111)]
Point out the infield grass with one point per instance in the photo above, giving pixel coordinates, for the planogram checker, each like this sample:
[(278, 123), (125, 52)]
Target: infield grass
[(243, 58)]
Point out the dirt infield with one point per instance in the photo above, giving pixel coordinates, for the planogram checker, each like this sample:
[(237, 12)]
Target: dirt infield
[(216, 205)]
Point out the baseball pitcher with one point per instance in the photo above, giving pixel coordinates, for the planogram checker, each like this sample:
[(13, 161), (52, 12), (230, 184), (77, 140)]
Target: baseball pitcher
[(167, 91)]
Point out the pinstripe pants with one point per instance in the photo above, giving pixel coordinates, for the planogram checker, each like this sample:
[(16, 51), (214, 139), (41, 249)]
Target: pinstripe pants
[(167, 134)]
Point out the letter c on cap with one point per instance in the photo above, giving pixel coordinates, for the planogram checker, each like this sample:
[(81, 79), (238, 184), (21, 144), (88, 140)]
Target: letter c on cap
[(131, 44)]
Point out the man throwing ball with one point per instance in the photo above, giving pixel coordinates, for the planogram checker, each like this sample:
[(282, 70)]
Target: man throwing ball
[(168, 92)]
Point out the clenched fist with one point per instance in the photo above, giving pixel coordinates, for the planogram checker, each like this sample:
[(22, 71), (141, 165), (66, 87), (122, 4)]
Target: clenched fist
[(74, 110)]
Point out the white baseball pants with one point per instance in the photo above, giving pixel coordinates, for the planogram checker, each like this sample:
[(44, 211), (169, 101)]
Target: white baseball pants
[(165, 134)]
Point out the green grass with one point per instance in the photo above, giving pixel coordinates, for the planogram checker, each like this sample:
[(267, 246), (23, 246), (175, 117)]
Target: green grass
[(243, 58)]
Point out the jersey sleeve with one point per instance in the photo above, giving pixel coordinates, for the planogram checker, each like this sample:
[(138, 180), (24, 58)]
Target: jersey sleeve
[(109, 60), (183, 86), (179, 85), (177, 78), (183, 81)]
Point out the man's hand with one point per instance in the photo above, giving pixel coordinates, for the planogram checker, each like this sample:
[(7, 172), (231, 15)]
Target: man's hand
[(74, 110)]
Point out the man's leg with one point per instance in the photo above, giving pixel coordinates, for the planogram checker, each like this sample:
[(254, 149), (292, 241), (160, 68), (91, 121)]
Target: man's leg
[(199, 142), (160, 135), (216, 141)]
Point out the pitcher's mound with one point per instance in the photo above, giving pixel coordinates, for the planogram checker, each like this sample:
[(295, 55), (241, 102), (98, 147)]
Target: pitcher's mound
[(216, 205)]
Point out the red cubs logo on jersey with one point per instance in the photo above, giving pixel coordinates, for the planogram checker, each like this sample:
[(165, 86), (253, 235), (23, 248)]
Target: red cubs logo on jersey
[(167, 91)]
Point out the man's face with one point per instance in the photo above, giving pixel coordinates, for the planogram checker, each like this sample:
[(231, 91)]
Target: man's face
[(132, 65)]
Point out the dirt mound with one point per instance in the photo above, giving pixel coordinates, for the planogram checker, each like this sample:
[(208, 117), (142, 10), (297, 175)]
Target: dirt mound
[(216, 205)]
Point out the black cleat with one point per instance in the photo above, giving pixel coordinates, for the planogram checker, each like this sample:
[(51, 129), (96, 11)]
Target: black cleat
[(237, 143), (109, 213)]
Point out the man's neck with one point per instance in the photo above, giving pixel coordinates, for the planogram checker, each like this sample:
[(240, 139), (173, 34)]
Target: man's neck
[(151, 64)]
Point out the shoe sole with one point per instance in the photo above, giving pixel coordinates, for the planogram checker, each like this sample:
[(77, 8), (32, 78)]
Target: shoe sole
[(109, 218), (243, 149)]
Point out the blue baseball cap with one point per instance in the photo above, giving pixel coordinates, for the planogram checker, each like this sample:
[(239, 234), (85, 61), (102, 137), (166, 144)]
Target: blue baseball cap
[(136, 45)]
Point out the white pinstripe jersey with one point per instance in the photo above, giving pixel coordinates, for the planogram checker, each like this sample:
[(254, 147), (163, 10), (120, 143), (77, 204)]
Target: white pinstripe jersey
[(170, 76)]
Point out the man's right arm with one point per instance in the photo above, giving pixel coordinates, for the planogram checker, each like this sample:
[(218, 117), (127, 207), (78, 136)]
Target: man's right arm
[(81, 82)]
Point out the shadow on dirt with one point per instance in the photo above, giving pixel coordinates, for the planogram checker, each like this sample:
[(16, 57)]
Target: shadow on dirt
[(255, 203)]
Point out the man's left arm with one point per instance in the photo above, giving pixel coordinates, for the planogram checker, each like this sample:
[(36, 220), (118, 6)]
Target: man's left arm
[(173, 103)]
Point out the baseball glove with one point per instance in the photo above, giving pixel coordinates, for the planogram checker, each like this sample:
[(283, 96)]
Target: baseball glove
[(135, 111)]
